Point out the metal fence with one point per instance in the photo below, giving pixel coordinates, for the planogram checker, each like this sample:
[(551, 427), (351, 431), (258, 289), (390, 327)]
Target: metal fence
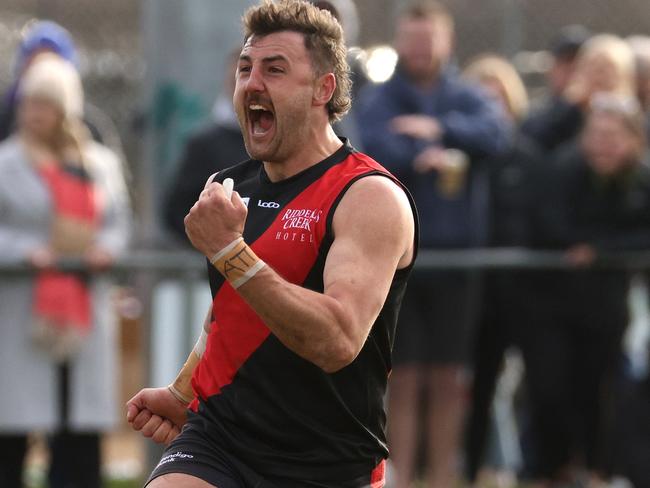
[(173, 287), (190, 264)]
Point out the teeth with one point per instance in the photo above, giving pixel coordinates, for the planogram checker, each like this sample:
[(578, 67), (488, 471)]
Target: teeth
[(256, 107)]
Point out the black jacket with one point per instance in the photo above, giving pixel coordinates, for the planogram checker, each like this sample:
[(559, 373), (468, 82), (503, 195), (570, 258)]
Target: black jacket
[(555, 123), (576, 206), (513, 176), (212, 149)]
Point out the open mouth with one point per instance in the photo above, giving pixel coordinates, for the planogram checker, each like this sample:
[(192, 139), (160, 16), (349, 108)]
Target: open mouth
[(261, 119)]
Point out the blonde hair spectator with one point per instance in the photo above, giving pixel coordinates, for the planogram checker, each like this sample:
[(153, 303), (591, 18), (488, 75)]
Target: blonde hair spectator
[(498, 75), (640, 46), (607, 61)]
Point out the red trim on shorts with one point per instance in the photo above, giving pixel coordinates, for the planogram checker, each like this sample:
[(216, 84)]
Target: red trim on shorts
[(378, 475)]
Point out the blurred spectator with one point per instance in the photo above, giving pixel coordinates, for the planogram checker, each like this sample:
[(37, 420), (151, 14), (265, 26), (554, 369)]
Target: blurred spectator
[(564, 50), (345, 11), (641, 48), (217, 146), (49, 37), (430, 129), (604, 63), (512, 181), (61, 195), (542, 123), (39, 37), (597, 199)]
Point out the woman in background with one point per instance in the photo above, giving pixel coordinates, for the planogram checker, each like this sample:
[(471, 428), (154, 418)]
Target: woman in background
[(597, 201), (61, 195)]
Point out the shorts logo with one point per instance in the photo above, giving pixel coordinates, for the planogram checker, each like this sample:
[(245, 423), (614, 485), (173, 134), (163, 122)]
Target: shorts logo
[(262, 204), (175, 457)]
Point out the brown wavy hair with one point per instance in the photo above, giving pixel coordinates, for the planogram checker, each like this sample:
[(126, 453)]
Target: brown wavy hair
[(324, 41)]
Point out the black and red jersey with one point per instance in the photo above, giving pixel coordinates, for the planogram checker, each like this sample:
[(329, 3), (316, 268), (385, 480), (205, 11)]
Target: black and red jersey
[(262, 402)]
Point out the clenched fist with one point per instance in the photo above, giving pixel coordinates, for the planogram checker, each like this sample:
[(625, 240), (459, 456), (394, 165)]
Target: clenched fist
[(215, 220)]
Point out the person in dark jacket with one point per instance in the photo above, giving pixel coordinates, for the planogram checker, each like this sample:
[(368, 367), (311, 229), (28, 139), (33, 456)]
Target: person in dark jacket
[(432, 129), (597, 202), (512, 180), (214, 147)]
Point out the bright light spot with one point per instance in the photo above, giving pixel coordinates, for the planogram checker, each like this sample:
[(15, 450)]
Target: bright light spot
[(380, 63)]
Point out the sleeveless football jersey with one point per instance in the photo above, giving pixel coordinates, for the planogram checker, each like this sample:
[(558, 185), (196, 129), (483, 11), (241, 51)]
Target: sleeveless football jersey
[(280, 413)]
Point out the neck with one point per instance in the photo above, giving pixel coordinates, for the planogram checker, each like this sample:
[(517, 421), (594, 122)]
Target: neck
[(322, 143)]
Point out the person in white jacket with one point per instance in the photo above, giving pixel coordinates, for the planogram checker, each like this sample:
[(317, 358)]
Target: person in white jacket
[(61, 194)]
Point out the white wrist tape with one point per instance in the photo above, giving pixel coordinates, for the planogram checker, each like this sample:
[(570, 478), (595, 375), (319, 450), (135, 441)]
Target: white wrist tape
[(237, 262), (178, 395), (217, 256)]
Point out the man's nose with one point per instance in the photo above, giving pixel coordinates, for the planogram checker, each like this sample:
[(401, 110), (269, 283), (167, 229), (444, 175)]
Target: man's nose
[(255, 82)]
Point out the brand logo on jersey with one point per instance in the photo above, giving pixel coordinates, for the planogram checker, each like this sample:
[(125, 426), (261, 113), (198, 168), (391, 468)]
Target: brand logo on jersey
[(262, 204), (246, 200), (298, 225), (174, 457)]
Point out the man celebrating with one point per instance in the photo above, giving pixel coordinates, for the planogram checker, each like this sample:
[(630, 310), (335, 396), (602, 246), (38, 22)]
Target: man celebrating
[(307, 281)]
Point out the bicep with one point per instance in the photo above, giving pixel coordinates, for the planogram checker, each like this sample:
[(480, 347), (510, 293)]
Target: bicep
[(373, 229)]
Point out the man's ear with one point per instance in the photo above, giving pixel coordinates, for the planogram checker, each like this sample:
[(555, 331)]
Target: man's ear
[(324, 89)]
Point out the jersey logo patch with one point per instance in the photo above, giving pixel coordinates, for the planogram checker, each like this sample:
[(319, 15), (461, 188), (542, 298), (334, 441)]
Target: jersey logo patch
[(262, 204), (298, 225)]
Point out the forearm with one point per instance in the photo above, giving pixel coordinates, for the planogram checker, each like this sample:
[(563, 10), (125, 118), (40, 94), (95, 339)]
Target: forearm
[(395, 152), (478, 134), (181, 388), (313, 325), (328, 328)]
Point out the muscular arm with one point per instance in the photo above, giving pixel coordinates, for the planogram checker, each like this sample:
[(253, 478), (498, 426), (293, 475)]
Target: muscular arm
[(330, 328), (373, 236)]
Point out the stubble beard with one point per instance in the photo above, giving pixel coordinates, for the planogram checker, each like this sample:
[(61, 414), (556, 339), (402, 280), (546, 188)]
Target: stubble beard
[(289, 134)]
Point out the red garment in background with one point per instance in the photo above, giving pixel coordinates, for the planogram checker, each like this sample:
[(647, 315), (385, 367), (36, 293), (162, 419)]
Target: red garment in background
[(62, 299)]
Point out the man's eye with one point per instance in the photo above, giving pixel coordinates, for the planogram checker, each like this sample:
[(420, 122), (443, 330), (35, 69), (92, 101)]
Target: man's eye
[(276, 69), (244, 69)]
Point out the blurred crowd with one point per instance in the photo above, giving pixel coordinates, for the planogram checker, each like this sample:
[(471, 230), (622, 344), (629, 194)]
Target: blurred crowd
[(569, 175), (487, 167)]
